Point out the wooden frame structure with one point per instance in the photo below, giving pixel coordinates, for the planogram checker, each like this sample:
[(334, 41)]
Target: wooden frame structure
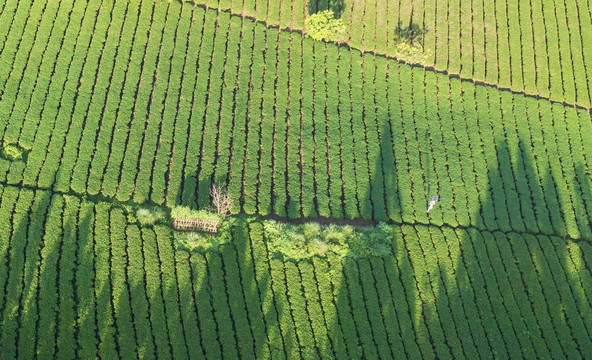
[(196, 224)]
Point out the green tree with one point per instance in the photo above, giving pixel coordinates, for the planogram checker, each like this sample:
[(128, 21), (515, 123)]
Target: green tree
[(324, 26)]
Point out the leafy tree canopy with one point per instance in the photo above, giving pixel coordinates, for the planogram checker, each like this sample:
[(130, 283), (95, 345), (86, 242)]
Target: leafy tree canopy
[(324, 26)]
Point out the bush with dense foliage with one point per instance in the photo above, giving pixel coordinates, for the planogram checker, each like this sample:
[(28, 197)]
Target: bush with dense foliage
[(12, 152), (149, 216), (412, 53), (297, 242), (324, 26)]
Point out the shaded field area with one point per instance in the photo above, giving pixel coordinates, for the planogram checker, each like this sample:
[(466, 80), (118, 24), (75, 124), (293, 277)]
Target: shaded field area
[(82, 279)]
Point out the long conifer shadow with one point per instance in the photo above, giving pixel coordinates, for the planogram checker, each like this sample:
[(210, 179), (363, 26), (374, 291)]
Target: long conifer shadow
[(264, 310), (520, 303), (374, 311), (12, 262), (586, 183), (411, 32), (476, 293), (497, 290), (443, 292)]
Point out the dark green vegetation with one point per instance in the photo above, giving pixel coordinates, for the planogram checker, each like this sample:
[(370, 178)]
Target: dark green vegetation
[(120, 103), (123, 290)]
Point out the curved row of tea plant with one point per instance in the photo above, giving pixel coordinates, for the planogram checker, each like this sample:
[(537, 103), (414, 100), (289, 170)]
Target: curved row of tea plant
[(84, 279), (164, 99)]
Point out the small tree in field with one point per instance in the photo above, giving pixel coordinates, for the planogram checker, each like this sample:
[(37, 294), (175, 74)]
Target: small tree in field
[(323, 26), (221, 199)]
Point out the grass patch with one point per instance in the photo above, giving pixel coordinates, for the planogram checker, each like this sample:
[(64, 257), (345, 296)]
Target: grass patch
[(150, 215), (13, 152)]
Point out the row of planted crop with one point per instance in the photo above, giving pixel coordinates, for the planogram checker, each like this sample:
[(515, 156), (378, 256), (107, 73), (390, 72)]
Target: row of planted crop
[(480, 211), (73, 256), (149, 299), (110, 284), (489, 146), (205, 172), (23, 56), (185, 102), (286, 14), (97, 166), (90, 116), (75, 48), (40, 141), (332, 165), (471, 310), (494, 36), (8, 16), (358, 325), (326, 169), (156, 126), (471, 257), (481, 41), (46, 140), (558, 188), (474, 39), (315, 192), (217, 112), (105, 104), (125, 74), (16, 35), (43, 59), (40, 264)]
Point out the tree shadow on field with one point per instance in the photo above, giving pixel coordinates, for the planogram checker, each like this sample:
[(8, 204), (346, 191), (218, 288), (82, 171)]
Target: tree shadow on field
[(315, 6), (513, 286), (409, 33), (480, 293), (13, 246), (473, 292)]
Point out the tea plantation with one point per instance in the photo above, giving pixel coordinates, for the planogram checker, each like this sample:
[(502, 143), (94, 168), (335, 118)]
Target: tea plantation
[(332, 152)]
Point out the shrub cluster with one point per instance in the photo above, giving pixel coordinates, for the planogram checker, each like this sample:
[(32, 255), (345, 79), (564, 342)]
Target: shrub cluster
[(149, 216), (12, 152), (323, 26), (297, 242), (412, 53)]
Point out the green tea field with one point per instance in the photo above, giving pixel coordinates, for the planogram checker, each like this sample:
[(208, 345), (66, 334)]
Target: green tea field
[(114, 112)]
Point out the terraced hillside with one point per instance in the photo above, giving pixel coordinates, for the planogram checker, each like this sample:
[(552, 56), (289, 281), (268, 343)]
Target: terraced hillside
[(118, 104)]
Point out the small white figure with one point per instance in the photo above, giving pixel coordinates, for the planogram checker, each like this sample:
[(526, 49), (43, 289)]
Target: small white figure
[(432, 203)]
